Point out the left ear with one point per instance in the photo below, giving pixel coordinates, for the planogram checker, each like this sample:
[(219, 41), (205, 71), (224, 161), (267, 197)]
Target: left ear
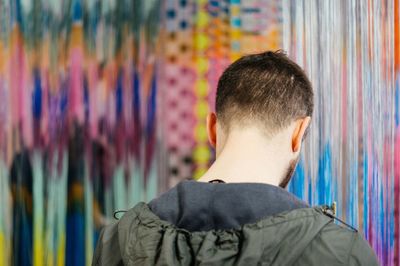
[(212, 129), (298, 133)]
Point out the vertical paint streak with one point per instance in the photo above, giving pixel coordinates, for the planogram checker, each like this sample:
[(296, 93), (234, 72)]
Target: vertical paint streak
[(350, 49), (89, 247), (201, 152), (38, 211), (75, 96), (108, 101), (396, 183)]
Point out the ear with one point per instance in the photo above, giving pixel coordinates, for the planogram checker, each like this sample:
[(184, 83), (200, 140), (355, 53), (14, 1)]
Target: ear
[(212, 129), (298, 133)]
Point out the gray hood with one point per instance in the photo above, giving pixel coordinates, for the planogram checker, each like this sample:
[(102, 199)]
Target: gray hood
[(145, 239), (229, 224), (222, 223), (198, 206)]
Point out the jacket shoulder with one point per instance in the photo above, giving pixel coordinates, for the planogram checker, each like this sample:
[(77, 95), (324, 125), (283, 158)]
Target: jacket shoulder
[(362, 253), (337, 245), (113, 238), (107, 250)]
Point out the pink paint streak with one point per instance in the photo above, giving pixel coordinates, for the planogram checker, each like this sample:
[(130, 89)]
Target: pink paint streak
[(76, 108), (93, 95), (19, 89), (397, 194)]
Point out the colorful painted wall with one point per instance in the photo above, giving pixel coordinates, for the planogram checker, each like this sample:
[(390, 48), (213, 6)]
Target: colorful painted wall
[(78, 132), (103, 105), (350, 49)]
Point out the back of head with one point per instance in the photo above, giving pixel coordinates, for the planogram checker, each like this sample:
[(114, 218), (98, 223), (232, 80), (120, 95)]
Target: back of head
[(266, 89)]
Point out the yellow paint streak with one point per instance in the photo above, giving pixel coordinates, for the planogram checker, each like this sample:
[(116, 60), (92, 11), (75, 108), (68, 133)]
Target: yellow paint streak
[(3, 251), (50, 259), (38, 245), (61, 251)]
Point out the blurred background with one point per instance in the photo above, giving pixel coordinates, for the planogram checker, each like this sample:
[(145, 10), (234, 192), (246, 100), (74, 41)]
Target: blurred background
[(103, 105)]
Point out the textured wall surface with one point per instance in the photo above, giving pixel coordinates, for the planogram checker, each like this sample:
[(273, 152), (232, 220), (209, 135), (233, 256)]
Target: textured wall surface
[(352, 153), (103, 105), (78, 86)]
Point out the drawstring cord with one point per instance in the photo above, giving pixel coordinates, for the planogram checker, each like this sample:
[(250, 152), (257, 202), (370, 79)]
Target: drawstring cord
[(216, 181), (116, 212), (326, 210)]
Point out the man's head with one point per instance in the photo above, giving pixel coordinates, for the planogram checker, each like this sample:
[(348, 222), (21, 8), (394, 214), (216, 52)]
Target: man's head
[(268, 92)]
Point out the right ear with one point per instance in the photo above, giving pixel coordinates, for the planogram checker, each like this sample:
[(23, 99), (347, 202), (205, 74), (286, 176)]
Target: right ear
[(212, 129)]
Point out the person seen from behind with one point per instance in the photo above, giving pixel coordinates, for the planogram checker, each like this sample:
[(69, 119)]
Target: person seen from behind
[(239, 212)]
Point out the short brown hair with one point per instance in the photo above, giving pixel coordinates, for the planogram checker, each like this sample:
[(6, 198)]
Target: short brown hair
[(268, 88)]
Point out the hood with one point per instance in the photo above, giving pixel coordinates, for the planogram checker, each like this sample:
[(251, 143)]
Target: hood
[(147, 239), (199, 206)]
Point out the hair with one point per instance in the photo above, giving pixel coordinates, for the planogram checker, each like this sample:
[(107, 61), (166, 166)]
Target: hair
[(266, 88)]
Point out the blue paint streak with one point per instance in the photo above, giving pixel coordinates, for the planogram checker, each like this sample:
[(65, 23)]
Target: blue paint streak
[(296, 185), (151, 108), (119, 103), (75, 249), (16, 12), (136, 96), (214, 3), (94, 17), (86, 99), (22, 236), (64, 98), (236, 22), (324, 178), (77, 12), (310, 191), (352, 210), (374, 201), (37, 96)]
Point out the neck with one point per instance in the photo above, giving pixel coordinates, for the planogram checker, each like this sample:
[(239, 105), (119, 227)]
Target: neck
[(249, 157)]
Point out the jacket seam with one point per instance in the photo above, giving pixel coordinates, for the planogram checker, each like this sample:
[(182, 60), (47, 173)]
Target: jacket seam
[(303, 251), (312, 240), (351, 248), (158, 221), (286, 221), (233, 229), (348, 256)]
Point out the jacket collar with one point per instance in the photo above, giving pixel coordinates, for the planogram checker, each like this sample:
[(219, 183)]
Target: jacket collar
[(198, 206)]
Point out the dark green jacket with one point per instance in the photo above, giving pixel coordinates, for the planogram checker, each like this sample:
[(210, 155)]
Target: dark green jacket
[(302, 236)]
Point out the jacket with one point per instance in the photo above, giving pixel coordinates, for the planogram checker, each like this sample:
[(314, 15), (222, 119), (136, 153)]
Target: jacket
[(229, 224)]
